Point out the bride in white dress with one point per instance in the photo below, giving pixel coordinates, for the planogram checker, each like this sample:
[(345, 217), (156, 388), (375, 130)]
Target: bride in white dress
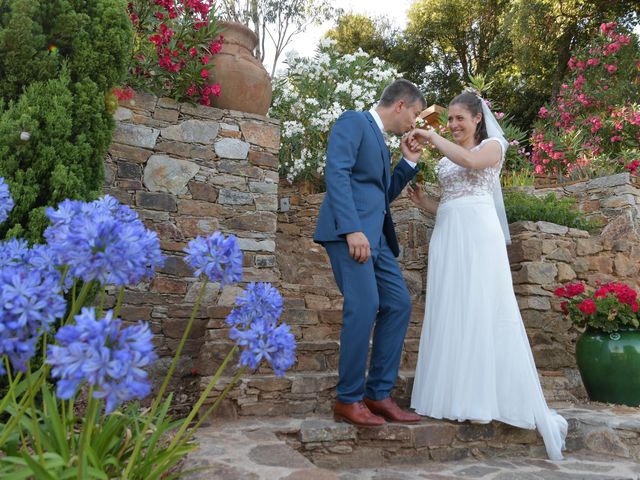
[(475, 362)]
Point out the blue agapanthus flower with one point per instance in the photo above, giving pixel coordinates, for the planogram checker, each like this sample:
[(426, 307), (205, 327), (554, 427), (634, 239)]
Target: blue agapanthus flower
[(6, 201), (109, 358), (30, 301), (255, 329), (258, 300), (219, 258), (102, 240), (13, 252)]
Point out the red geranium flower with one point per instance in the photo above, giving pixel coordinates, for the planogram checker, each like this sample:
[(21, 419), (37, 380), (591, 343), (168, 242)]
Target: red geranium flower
[(587, 306)]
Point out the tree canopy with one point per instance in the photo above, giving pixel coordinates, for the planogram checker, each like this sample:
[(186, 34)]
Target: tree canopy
[(521, 45)]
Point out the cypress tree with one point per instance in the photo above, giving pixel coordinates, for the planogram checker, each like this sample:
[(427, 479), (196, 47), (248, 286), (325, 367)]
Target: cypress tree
[(59, 60)]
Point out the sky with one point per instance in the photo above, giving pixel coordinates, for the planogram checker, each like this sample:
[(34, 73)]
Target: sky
[(305, 43)]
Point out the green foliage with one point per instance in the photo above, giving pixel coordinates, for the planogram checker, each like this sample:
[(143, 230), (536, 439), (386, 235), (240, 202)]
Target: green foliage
[(355, 31), (522, 206), (58, 431), (452, 41), (57, 61), (518, 178), (522, 45), (37, 37)]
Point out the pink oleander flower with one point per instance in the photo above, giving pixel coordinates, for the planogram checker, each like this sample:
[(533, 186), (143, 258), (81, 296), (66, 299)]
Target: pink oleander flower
[(605, 28), (179, 33)]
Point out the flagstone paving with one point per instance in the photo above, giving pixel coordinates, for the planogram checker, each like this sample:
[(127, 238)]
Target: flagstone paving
[(316, 448)]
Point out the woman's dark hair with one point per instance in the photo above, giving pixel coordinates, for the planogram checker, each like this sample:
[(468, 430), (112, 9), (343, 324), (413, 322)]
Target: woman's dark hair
[(401, 89), (473, 103)]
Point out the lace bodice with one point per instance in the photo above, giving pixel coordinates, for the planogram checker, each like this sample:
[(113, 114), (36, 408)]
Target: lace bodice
[(456, 181)]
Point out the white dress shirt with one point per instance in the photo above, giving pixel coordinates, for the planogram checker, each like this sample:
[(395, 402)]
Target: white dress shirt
[(378, 121)]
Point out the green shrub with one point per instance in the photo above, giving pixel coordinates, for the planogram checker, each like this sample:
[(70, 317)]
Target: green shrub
[(522, 206), (58, 60)]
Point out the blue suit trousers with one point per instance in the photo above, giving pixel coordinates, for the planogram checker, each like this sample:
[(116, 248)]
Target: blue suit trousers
[(376, 301)]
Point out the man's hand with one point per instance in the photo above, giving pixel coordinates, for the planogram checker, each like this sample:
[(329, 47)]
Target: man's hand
[(359, 248), (411, 149)]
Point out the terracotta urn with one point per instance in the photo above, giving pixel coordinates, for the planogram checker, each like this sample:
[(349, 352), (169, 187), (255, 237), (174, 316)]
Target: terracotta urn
[(245, 85)]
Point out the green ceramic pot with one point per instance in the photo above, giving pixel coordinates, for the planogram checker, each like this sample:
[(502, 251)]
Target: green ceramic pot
[(609, 365)]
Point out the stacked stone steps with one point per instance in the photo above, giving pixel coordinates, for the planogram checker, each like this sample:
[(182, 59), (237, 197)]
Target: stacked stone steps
[(309, 386), (298, 392), (307, 392), (329, 444), (603, 444), (608, 431)]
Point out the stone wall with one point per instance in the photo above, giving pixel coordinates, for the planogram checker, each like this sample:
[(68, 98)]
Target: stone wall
[(543, 256), (190, 170), (604, 198)]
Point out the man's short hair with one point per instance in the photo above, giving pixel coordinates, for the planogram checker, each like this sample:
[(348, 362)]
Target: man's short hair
[(401, 89)]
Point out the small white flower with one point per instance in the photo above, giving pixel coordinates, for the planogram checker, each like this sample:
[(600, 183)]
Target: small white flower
[(326, 43)]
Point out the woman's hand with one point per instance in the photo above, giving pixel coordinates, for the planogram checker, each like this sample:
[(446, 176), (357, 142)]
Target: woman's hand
[(422, 136), (416, 195)]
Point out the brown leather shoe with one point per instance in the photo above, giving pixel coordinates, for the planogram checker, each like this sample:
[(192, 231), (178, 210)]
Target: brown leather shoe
[(356, 413), (389, 409)]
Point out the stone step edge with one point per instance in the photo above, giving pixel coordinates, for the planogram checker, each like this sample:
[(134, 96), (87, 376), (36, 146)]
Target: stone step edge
[(327, 443), (610, 431), (321, 381), (402, 375), (263, 446)]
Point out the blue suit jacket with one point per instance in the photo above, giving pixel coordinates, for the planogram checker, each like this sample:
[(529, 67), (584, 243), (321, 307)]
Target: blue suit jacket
[(360, 184)]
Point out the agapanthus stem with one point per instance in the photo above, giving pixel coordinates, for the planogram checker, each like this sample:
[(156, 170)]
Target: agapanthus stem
[(156, 402), (221, 397), (34, 421), (22, 406), (87, 430), (71, 419), (74, 289), (12, 382), (116, 312), (11, 394), (100, 309), (77, 303), (63, 275), (203, 397), (209, 411)]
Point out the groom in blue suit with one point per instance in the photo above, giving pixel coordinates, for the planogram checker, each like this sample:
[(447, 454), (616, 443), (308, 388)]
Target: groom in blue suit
[(356, 229)]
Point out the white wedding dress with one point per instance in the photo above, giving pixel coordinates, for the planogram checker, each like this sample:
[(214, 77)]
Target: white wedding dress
[(475, 362)]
